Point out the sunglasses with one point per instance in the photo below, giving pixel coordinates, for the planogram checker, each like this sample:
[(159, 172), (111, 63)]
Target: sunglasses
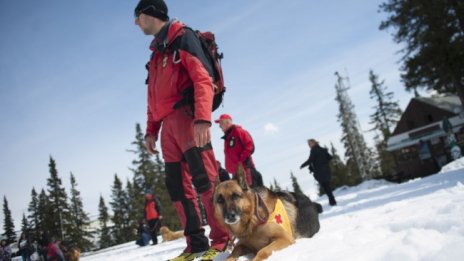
[(137, 13)]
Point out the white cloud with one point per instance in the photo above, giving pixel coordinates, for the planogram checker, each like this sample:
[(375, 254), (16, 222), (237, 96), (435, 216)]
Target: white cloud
[(271, 129)]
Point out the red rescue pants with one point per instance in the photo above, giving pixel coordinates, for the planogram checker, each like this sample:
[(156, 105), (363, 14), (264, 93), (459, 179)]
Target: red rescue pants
[(189, 170)]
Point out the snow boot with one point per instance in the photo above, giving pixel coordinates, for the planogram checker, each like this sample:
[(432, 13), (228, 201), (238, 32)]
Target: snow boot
[(210, 254), (332, 202), (186, 257)]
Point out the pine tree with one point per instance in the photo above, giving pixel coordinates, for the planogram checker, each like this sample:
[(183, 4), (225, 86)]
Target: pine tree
[(33, 215), (277, 186), (58, 205), (133, 196), (8, 223), (386, 115), (80, 221), (144, 168), (271, 187), (43, 213), (103, 217), (433, 35), (25, 226), (358, 155), (387, 111), (296, 186), (149, 174), (119, 204)]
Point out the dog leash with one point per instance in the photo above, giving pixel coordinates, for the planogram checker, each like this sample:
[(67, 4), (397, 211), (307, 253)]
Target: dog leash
[(259, 200)]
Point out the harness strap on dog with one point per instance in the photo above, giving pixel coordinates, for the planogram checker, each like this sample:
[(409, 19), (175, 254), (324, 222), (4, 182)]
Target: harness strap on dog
[(260, 201)]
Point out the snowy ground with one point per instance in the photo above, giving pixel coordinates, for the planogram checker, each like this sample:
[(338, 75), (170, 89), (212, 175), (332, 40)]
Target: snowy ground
[(419, 220)]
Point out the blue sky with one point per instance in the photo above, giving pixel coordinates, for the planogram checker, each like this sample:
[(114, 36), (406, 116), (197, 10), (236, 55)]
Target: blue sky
[(72, 83)]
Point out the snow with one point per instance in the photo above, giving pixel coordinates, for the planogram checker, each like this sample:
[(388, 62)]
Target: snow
[(422, 219), (454, 165)]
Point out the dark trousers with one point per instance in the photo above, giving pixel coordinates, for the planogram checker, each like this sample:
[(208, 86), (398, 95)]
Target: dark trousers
[(26, 257), (328, 190), (43, 253), (154, 225)]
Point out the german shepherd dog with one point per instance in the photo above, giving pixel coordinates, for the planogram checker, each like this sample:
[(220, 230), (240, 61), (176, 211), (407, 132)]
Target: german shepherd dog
[(245, 213)]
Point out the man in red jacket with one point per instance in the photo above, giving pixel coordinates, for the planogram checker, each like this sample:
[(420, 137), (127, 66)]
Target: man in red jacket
[(153, 214), (238, 147), (179, 64)]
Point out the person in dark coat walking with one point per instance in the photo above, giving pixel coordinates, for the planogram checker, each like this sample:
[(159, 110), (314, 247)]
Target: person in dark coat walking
[(25, 247), (153, 214), (318, 162), (43, 244)]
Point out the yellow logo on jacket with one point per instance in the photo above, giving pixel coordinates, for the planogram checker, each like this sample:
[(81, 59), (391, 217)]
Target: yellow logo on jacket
[(280, 217)]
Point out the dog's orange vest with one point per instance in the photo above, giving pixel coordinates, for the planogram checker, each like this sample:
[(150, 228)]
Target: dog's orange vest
[(280, 217)]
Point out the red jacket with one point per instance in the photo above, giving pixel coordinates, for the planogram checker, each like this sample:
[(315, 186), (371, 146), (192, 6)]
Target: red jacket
[(238, 147), (152, 208), (177, 62), (55, 251)]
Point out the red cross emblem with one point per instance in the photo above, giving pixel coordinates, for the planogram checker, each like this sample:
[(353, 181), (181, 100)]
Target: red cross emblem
[(278, 219)]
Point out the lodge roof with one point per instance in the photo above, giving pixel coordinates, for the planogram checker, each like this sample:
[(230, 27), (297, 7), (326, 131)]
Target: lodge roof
[(448, 102)]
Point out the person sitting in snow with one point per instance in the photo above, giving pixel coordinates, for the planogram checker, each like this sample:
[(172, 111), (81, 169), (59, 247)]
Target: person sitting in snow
[(143, 233), (318, 162)]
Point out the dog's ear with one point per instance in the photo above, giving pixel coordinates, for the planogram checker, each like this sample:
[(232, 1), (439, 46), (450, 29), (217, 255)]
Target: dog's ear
[(240, 176), (217, 181)]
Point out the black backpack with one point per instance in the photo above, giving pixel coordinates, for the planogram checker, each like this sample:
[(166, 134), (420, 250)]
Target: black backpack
[(210, 48)]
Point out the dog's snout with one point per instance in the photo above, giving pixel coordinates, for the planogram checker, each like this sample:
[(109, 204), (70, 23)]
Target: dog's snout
[(232, 217)]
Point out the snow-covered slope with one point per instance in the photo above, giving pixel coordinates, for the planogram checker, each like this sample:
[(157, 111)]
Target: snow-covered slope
[(419, 220)]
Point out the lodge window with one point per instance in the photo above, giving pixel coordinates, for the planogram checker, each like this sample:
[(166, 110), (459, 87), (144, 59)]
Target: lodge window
[(408, 154)]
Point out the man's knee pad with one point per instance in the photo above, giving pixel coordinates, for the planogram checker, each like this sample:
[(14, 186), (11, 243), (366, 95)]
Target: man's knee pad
[(197, 169), (173, 181)]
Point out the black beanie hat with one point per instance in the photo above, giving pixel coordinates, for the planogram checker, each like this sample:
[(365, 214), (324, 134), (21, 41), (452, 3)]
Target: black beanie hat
[(155, 8)]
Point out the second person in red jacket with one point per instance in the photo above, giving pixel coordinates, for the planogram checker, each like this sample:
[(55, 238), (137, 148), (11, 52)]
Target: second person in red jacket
[(153, 214), (238, 147)]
